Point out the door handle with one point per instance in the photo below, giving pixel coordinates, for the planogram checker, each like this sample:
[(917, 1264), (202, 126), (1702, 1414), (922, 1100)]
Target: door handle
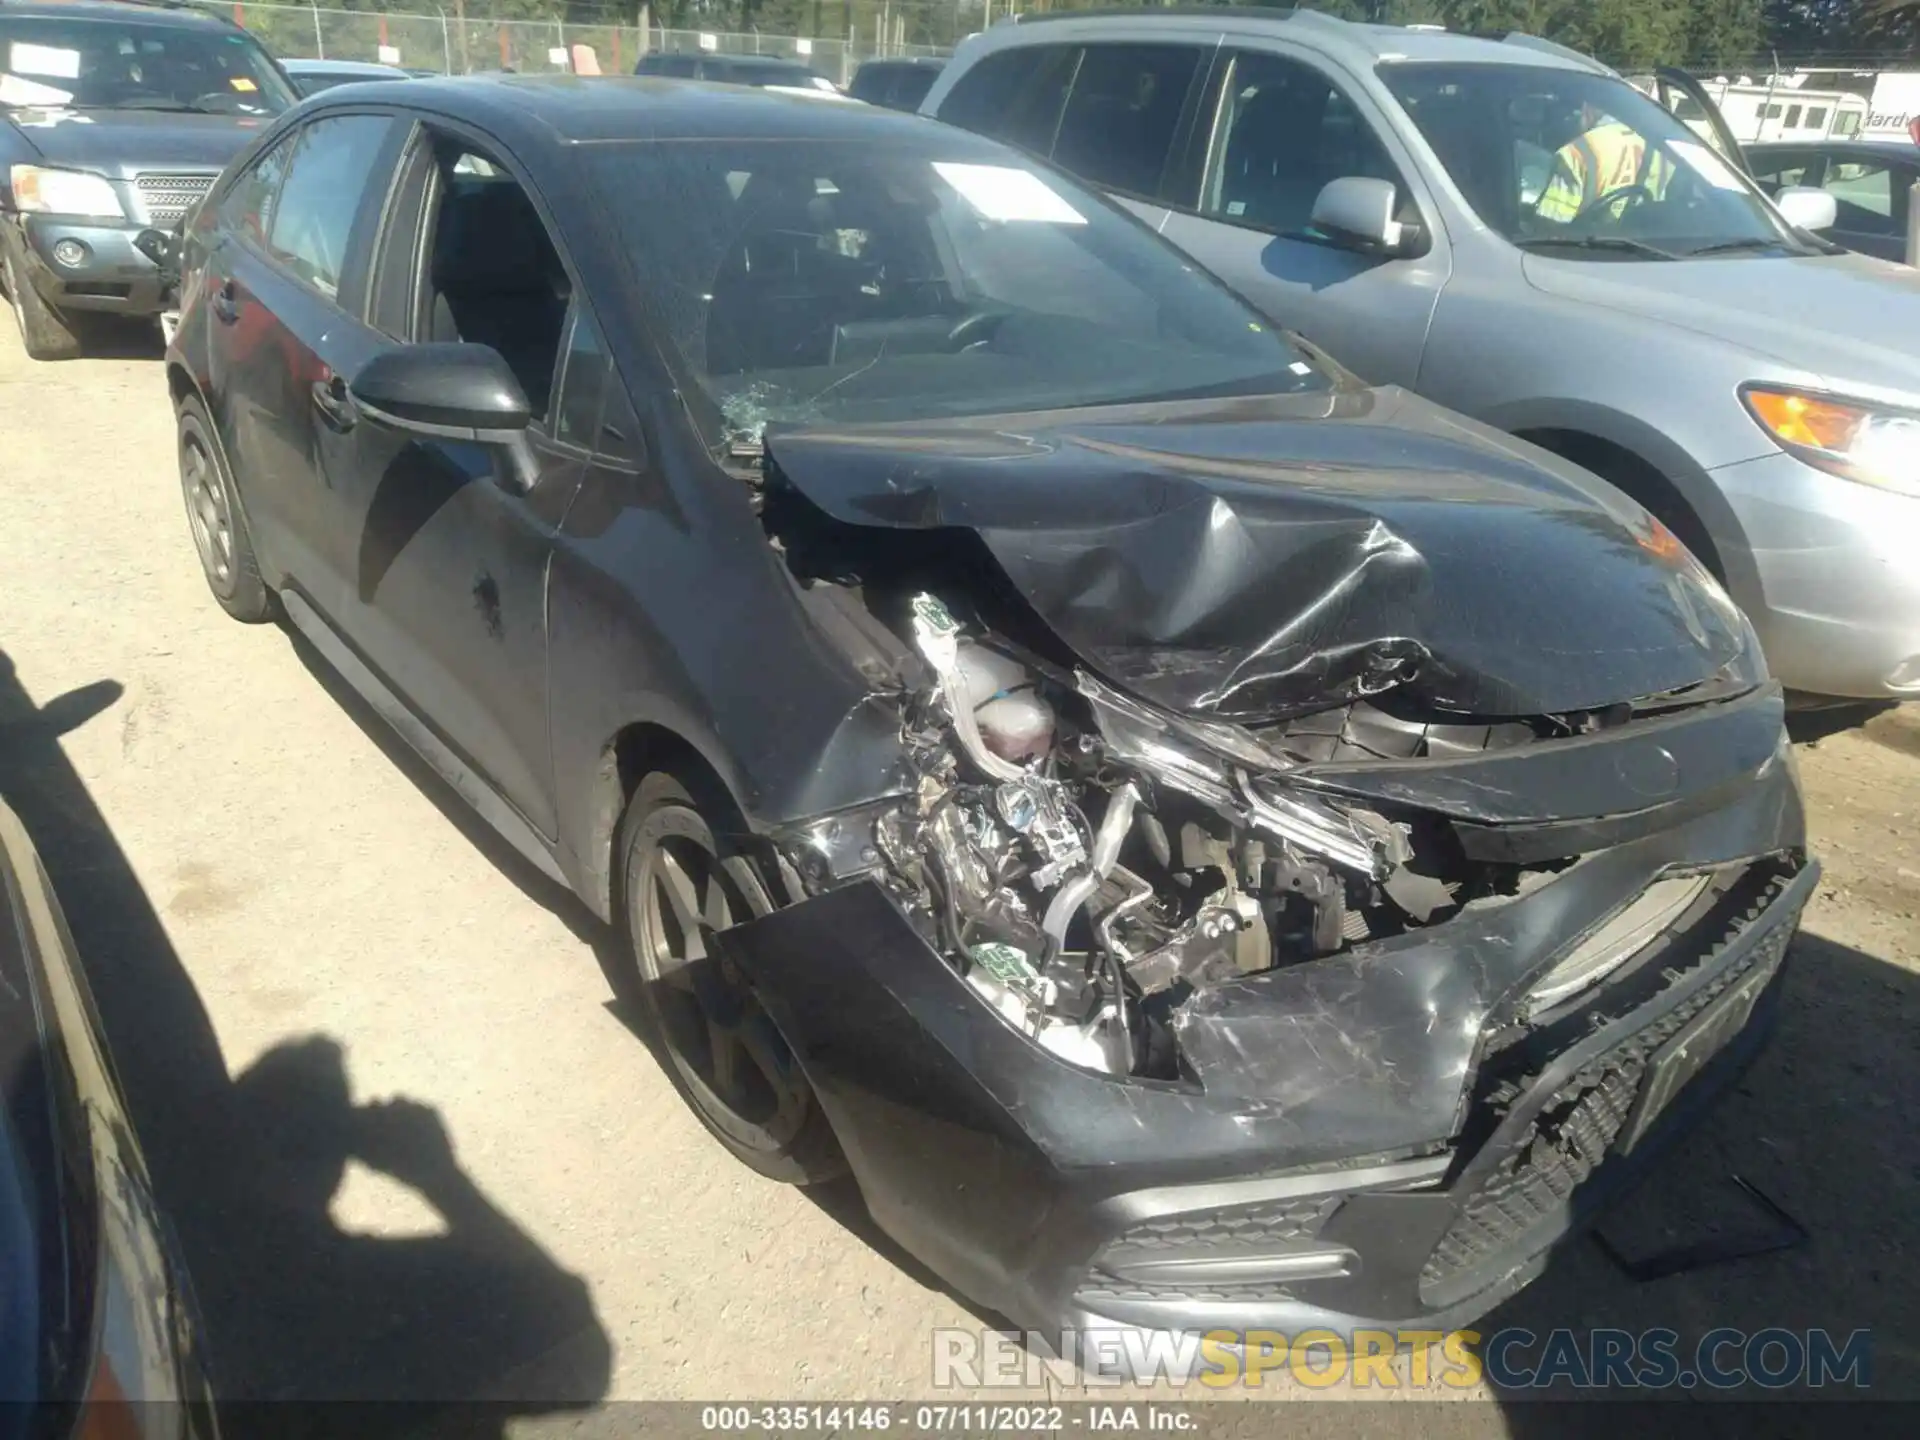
[(335, 403), (225, 303)]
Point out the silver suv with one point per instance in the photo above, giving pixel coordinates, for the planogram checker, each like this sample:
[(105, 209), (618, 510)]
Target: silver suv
[(1513, 230)]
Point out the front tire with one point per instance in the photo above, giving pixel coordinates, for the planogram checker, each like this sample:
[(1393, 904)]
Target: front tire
[(724, 1055), (44, 331), (219, 528)]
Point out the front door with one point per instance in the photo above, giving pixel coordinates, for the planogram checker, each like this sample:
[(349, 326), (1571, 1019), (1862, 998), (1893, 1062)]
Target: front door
[(1284, 131), (1689, 101), (447, 577)]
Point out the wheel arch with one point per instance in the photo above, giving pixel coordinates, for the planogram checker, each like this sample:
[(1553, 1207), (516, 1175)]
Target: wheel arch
[(629, 755), (1652, 468), (181, 384)]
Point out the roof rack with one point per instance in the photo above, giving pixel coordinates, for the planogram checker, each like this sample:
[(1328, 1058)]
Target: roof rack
[(1550, 47)]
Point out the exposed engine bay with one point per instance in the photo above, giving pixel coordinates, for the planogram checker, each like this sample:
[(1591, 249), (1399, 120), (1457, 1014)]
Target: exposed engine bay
[(1089, 863)]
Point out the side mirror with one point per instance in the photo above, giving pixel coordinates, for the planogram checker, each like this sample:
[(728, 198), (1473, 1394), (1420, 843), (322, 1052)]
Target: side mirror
[(1357, 211), (450, 392), (1807, 208)]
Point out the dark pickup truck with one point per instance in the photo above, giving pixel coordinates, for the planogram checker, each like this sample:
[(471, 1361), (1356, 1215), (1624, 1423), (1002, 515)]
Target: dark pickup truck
[(116, 116)]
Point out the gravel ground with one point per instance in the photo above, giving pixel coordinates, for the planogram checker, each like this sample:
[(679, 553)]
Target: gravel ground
[(413, 1149)]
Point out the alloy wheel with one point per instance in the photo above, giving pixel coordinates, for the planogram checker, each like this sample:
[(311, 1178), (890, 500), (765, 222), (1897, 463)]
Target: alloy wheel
[(723, 1044), (208, 514)]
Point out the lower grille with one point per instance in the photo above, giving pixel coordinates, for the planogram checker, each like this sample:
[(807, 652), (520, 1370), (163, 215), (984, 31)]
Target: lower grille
[(1100, 1286), (165, 198), (1276, 1222), (1575, 1130), (1270, 1228)]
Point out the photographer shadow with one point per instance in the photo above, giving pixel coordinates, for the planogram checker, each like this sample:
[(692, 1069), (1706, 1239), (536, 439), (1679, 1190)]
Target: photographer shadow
[(309, 1329)]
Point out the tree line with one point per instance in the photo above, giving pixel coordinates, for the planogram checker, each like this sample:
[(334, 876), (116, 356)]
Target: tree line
[(1703, 34)]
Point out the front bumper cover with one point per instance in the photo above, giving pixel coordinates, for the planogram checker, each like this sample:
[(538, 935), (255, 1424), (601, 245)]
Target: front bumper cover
[(116, 277), (1838, 610), (1358, 1129)]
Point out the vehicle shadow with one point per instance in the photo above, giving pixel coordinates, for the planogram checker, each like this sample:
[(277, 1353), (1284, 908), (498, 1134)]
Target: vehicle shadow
[(1826, 1123), (109, 337), (296, 1310), (538, 887), (1808, 725)]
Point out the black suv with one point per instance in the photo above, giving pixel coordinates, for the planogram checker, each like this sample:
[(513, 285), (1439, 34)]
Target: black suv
[(757, 71), (899, 84), (115, 117)]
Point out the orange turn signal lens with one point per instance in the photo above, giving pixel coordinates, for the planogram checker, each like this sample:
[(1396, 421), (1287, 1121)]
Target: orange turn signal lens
[(1806, 420)]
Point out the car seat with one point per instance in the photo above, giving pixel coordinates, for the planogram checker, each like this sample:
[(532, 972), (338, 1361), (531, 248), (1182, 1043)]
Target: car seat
[(498, 281)]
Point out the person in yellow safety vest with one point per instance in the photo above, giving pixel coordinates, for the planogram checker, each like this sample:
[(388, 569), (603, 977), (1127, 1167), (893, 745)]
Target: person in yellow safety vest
[(1607, 156)]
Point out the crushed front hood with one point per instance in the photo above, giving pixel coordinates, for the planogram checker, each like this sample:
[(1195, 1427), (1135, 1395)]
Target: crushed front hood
[(1252, 558)]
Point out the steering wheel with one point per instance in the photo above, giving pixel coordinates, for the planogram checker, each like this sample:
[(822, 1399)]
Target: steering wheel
[(225, 102), (975, 329), (1615, 196)]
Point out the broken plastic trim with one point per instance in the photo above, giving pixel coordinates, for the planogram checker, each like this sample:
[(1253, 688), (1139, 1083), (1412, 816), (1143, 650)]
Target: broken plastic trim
[(1614, 942), (1190, 756), (1326, 833)]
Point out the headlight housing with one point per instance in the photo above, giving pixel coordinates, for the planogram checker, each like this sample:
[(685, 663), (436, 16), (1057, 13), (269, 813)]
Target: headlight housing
[(1856, 439), (64, 192)]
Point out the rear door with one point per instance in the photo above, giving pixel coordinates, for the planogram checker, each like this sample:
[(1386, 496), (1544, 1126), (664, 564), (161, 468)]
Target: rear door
[(285, 288), (1275, 131)]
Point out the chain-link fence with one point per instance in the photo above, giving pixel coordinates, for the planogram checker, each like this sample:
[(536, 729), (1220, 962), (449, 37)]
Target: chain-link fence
[(444, 43)]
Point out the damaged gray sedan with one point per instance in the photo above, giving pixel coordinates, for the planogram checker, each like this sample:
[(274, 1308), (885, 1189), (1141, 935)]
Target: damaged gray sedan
[(1206, 843)]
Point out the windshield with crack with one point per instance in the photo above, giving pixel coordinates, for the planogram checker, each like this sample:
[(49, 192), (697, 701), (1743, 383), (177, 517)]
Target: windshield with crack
[(870, 281), (89, 63), (1557, 159)]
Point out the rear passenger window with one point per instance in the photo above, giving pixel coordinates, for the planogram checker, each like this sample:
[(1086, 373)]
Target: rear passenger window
[(1122, 113), (247, 209), (329, 171), (1015, 96)]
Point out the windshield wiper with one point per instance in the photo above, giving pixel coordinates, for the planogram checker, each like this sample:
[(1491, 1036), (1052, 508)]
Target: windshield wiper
[(1748, 242), (1621, 243), (170, 107)]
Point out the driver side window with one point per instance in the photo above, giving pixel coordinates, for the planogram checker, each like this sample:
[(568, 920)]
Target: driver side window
[(1286, 131), (493, 274)]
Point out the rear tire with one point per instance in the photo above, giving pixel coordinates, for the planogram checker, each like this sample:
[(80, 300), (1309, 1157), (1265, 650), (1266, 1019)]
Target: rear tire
[(44, 331), (213, 516), (724, 1055)]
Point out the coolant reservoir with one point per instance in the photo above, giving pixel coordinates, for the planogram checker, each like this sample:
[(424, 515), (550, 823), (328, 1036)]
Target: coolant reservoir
[(1015, 723)]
